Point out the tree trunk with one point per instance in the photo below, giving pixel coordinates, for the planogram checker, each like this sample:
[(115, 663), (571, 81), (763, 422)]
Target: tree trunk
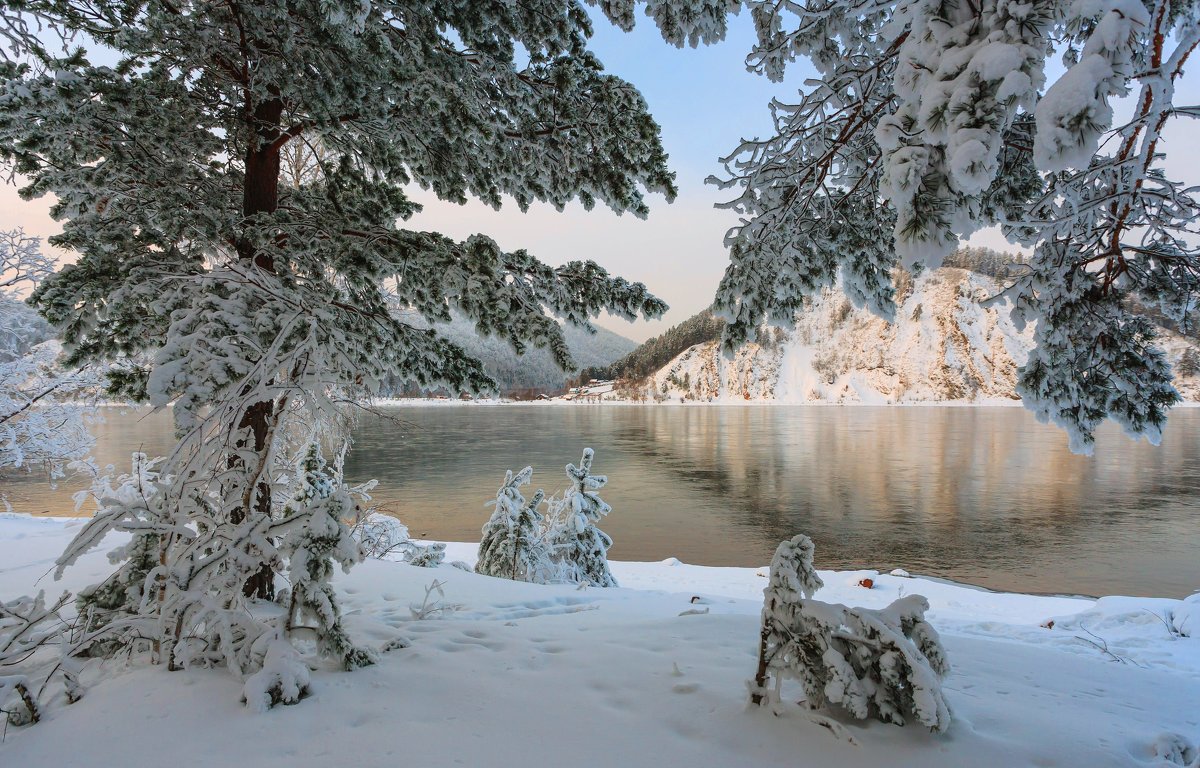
[(757, 696), (260, 194)]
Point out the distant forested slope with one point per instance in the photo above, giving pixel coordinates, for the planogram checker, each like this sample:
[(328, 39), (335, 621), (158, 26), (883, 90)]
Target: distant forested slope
[(534, 370), (660, 350)]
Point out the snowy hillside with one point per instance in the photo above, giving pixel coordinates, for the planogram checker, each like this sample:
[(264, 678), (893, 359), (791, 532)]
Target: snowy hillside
[(536, 368), (945, 346)]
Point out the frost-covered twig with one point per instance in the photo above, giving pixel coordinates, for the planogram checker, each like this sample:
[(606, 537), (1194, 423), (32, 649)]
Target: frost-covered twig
[(1100, 644), (431, 606)]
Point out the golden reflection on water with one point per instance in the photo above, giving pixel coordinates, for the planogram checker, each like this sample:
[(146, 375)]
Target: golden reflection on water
[(983, 495)]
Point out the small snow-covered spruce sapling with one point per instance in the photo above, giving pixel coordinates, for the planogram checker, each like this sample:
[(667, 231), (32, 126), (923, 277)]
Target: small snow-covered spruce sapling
[(425, 555), (926, 121), (240, 295), (512, 546), (886, 664), (582, 547), (314, 538)]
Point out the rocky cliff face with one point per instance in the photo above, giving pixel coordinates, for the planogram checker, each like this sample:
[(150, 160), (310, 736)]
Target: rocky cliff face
[(945, 346)]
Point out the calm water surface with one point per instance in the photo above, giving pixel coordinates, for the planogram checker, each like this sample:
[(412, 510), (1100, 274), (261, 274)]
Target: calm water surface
[(981, 495)]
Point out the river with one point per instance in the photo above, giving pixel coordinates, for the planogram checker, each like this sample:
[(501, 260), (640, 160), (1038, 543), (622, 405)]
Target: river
[(985, 496)]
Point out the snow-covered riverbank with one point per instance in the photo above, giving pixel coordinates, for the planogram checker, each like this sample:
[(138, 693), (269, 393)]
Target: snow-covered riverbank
[(507, 674)]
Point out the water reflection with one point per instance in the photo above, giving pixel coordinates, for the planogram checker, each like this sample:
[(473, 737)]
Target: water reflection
[(984, 495)]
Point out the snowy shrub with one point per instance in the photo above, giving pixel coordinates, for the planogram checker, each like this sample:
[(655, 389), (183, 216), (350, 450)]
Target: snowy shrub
[(379, 536), (383, 537), (314, 538), (512, 546), (886, 664), (283, 677), (165, 595), (34, 651)]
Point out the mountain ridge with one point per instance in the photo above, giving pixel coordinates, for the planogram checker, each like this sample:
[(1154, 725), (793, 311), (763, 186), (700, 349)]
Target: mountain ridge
[(945, 346), (533, 371)]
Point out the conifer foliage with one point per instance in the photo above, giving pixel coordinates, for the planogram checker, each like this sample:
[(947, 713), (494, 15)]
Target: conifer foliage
[(314, 538), (562, 545), (886, 664), (241, 301), (512, 546), (581, 545)]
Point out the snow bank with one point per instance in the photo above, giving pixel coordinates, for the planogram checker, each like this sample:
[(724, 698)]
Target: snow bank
[(652, 674)]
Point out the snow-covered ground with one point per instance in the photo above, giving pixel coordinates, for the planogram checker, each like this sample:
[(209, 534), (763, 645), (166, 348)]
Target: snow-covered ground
[(651, 674)]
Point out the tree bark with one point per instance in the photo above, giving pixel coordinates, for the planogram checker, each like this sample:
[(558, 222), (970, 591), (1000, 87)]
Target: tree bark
[(757, 696), (260, 194)]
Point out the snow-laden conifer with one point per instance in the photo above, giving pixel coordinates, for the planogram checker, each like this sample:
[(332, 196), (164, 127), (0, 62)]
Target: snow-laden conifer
[(579, 546), (129, 498), (240, 295), (425, 555), (314, 538), (886, 664), (512, 546)]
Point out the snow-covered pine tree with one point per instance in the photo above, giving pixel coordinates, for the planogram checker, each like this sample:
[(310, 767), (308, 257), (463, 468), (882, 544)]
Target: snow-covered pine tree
[(44, 408), (581, 547), (512, 546), (314, 538), (928, 120), (241, 299), (885, 663)]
